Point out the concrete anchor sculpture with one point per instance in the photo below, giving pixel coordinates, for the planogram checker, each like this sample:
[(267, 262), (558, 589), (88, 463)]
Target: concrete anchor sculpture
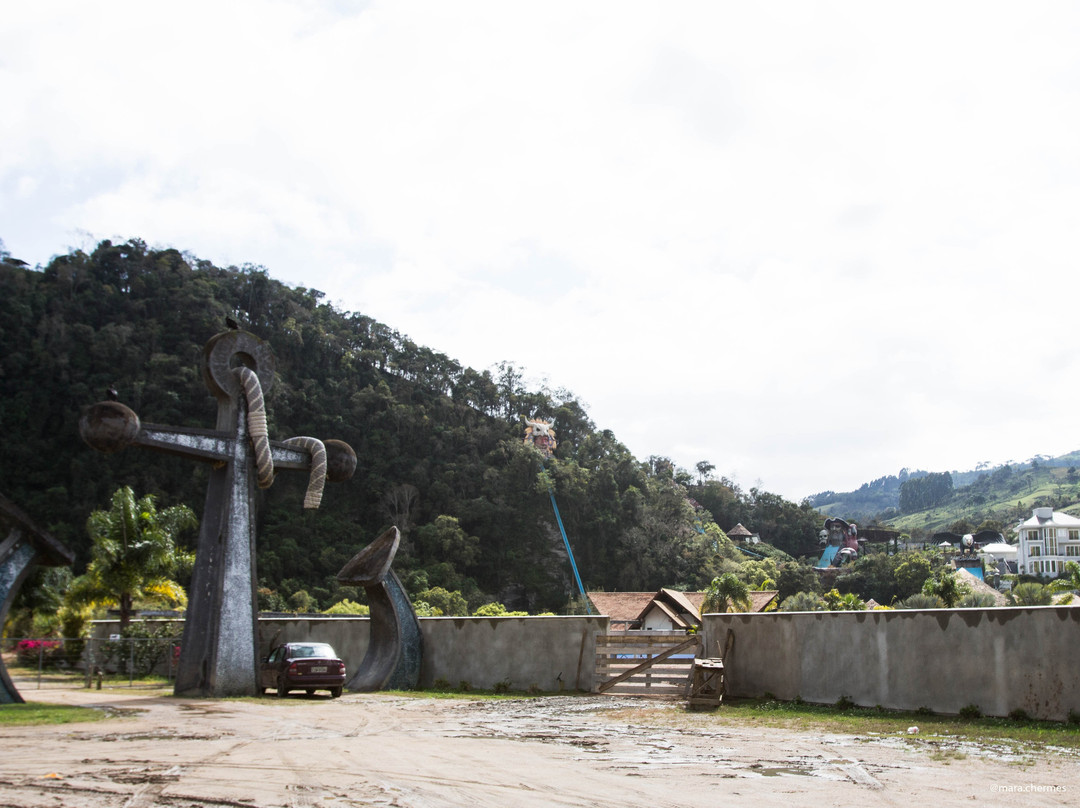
[(24, 546), (395, 646), (219, 655)]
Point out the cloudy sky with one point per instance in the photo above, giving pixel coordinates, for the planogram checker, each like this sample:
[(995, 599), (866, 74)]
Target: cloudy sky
[(810, 243)]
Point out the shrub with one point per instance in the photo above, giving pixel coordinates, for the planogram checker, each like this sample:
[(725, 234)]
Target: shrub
[(970, 711), (803, 602), (1030, 594), (921, 601), (974, 600), (347, 606), (28, 652)]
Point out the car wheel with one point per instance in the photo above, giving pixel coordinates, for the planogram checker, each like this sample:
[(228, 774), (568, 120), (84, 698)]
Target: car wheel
[(310, 691), (335, 692), (282, 689)]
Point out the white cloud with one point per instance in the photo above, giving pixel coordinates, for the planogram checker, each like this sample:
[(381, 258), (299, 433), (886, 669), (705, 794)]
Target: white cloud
[(809, 243)]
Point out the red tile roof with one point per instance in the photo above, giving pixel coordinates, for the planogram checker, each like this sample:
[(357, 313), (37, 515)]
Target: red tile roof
[(630, 607)]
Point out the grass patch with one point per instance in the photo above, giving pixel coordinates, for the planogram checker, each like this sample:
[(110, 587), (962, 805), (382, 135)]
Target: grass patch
[(77, 680), (35, 714), (878, 720)]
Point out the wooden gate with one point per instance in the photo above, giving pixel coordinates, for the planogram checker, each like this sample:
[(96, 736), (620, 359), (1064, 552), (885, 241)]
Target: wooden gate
[(645, 663)]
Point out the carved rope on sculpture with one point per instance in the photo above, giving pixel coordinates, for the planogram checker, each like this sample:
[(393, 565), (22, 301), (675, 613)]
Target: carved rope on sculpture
[(256, 417), (317, 449)]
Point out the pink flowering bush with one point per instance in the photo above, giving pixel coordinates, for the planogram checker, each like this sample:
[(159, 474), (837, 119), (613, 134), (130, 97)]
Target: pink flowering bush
[(27, 651)]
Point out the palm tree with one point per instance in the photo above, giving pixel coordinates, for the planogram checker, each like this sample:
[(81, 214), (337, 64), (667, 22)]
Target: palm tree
[(1069, 581), (1030, 594), (727, 594), (921, 601), (134, 555), (803, 602)]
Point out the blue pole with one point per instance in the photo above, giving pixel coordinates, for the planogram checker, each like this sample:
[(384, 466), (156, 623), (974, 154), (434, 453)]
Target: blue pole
[(569, 552)]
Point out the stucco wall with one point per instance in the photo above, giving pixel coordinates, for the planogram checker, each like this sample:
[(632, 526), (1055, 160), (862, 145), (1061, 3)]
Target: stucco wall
[(1000, 660), (482, 651)]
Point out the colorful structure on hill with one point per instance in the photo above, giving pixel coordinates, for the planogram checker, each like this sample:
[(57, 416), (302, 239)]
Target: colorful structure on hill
[(841, 543), (541, 436)]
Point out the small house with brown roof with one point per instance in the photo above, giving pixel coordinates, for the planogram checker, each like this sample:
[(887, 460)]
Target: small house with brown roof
[(663, 610), (740, 533)]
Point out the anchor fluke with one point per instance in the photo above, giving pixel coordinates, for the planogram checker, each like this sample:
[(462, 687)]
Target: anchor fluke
[(395, 646)]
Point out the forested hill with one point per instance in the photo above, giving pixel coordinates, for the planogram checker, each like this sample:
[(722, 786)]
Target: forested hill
[(440, 449)]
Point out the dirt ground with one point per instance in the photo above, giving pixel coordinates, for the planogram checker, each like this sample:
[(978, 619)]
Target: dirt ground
[(387, 750)]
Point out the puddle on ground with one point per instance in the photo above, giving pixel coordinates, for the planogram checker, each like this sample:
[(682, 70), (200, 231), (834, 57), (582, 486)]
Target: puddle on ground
[(776, 771), (159, 735), (120, 712)]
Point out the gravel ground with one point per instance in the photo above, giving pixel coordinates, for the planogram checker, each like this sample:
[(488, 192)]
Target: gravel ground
[(387, 750)]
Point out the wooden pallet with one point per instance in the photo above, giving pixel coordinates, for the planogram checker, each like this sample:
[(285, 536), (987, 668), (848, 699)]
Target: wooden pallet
[(706, 684), (652, 663)]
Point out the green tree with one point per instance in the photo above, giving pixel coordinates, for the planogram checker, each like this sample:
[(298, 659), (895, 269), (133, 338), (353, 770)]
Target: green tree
[(911, 575), (793, 577), (302, 602), (946, 586), (923, 493), (444, 602), (756, 573), (727, 594), (444, 540), (135, 555)]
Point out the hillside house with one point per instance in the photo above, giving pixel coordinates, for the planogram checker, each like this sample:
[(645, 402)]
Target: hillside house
[(1047, 541), (740, 533)]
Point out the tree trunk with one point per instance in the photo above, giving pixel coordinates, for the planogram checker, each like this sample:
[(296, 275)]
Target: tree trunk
[(125, 610)]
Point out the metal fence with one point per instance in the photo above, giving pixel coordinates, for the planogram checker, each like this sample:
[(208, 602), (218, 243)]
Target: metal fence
[(47, 662)]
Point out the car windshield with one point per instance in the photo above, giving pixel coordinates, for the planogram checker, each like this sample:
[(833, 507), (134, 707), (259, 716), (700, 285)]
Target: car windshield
[(312, 649)]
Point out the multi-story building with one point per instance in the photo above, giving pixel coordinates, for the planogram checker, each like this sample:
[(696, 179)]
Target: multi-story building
[(1048, 540)]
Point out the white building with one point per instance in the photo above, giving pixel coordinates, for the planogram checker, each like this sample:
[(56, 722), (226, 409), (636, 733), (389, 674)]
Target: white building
[(1048, 540)]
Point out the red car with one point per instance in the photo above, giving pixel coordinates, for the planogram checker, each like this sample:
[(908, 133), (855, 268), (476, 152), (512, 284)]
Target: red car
[(307, 666)]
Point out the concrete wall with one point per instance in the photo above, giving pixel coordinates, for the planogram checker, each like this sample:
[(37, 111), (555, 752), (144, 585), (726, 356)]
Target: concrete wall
[(1000, 660), (482, 651)]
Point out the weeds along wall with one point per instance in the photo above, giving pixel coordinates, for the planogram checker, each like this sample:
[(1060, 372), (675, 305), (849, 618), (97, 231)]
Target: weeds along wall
[(549, 653), (999, 660)]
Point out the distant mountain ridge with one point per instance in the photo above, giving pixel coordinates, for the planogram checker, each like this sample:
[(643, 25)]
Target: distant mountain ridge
[(880, 498)]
